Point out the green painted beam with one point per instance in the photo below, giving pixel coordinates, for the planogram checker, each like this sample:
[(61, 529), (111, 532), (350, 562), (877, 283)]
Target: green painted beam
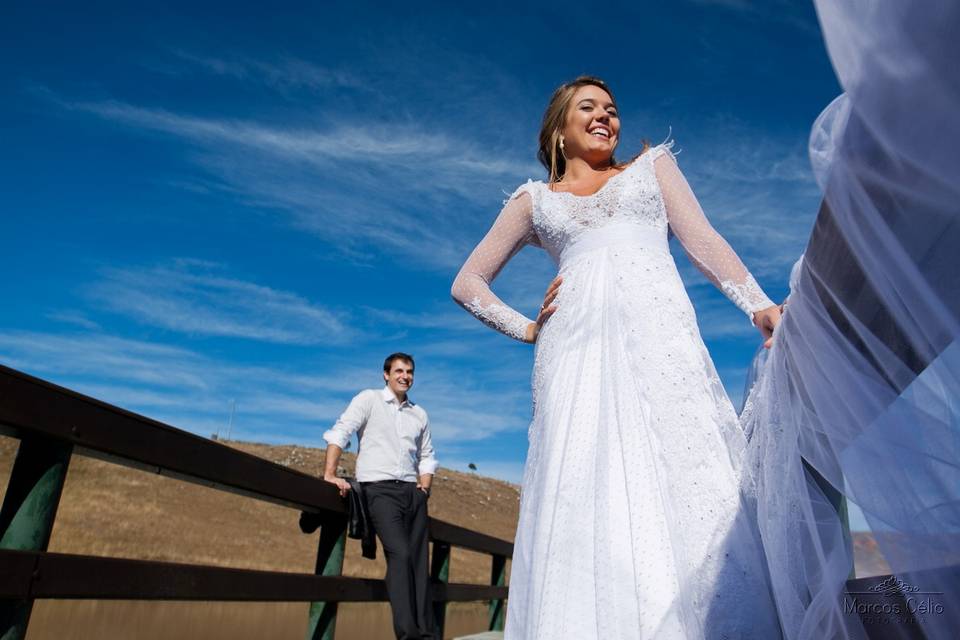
[(322, 623), (440, 572), (498, 575), (27, 515)]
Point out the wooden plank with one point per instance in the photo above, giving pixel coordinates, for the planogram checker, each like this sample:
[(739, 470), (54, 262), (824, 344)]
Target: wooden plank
[(467, 539), (459, 592), (90, 577), (40, 407), (67, 576), (16, 573)]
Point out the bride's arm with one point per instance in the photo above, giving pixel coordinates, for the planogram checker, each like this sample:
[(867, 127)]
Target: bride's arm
[(707, 248), (471, 289)]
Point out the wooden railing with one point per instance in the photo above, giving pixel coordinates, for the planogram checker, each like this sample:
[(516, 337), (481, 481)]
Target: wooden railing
[(54, 423)]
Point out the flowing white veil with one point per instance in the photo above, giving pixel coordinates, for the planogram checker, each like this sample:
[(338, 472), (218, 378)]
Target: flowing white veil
[(859, 398)]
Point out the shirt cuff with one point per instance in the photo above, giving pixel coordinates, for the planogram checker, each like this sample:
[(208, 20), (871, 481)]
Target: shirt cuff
[(429, 465), (336, 437)]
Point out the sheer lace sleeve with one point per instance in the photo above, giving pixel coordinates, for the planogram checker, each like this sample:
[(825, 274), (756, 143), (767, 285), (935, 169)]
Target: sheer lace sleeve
[(707, 249), (512, 230)]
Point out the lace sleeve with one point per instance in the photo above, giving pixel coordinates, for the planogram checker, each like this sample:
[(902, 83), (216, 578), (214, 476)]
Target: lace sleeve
[(512, 230), (707, 249)]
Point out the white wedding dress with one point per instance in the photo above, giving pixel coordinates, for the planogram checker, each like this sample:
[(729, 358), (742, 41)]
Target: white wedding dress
[(633, 521)]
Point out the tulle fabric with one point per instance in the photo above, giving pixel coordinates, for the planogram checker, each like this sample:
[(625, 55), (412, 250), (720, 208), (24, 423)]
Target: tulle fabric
[(861, 385)]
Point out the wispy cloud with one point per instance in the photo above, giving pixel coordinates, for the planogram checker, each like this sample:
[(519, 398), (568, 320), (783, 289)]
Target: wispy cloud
[(75, 318), (400, 186), (196, 298), (448, 318), (769, 11), (195, 392), (178, 386), (97, 357), (740, 5), (758, 191), (377, 143), (284, 73)]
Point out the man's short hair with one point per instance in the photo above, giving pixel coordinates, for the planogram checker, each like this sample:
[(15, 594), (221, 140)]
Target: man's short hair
[(406, 357)]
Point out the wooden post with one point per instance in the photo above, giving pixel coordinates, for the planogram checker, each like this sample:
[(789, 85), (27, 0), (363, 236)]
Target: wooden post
[(440, 572), (27, 515), (323, 615), (498, 573)]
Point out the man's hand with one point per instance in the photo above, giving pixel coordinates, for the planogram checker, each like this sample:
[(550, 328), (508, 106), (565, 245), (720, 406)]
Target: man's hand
[(330, 469), (342, 485), (766, 321), (424, 482)]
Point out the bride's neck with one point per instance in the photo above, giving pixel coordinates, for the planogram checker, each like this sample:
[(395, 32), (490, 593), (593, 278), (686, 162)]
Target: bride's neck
[(580, 169)]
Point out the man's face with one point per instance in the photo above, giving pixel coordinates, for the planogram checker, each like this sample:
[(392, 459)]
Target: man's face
[(399, 378)]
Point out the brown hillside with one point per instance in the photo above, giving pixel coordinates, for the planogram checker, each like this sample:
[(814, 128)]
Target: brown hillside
[(111, 510)]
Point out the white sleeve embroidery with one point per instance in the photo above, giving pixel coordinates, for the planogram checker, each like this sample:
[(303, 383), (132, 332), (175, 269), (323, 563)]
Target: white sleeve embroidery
[(512, 230), (707, 249)]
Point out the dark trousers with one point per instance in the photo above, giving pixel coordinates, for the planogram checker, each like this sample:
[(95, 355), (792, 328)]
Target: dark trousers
[(399, 514)]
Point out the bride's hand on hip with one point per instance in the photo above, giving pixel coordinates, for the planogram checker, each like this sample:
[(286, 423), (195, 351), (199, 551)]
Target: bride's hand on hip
[(766, 320), (546, 310)]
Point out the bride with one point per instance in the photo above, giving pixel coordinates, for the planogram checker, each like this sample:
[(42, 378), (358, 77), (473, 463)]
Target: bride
[(633, 521)]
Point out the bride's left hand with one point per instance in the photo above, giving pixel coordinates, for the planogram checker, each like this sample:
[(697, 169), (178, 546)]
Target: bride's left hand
[(766, 320)]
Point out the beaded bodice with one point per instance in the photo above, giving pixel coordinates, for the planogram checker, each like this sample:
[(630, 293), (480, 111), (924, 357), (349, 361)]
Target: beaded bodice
[(560, 218), (650, 193)]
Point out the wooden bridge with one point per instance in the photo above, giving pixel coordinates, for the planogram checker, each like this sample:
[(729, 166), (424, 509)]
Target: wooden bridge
[(53, 424)]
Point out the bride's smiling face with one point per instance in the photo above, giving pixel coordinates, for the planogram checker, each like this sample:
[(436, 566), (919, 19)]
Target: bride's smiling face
[(592, 127)]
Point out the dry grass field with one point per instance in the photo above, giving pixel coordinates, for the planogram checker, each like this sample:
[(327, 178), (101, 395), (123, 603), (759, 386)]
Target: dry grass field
[(111, 510)]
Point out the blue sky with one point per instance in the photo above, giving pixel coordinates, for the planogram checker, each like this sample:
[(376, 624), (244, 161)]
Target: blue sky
[(235, 203)]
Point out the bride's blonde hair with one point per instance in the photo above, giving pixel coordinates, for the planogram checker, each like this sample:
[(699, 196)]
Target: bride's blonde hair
[(555, 117)]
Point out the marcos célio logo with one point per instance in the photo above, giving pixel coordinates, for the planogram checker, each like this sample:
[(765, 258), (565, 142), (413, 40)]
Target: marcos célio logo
[(910, 600)]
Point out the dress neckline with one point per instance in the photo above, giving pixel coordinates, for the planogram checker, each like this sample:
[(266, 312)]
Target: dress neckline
[(602, 187)]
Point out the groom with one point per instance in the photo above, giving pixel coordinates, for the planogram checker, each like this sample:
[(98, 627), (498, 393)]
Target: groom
[(395, 467)]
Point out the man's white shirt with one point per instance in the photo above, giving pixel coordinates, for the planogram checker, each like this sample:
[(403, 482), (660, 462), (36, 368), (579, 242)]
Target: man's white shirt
[(394, 437)]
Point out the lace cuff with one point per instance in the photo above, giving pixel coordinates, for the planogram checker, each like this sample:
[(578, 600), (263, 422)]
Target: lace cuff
[(747, 295), (500, 317)]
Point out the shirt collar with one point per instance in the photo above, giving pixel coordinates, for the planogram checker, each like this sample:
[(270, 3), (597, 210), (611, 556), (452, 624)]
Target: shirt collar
[(389, 397)]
